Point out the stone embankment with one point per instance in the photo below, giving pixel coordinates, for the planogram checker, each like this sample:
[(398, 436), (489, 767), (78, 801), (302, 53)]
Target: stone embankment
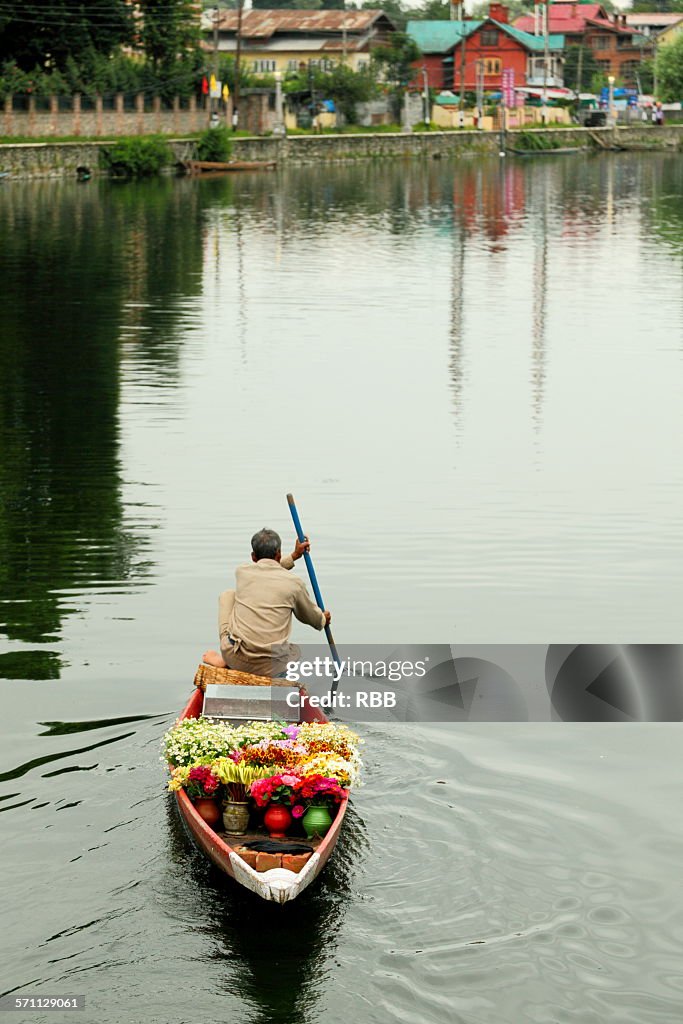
[(60, 159)]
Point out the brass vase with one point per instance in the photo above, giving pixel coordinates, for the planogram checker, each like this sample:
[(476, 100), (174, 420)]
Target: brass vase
[(236, 817)]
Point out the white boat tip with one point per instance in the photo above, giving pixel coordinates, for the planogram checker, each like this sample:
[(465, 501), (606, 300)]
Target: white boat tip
[(283, 884), (277, 884)]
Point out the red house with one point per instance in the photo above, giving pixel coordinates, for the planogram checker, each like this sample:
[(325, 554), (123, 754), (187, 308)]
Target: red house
[(487, 47), (619, 48)]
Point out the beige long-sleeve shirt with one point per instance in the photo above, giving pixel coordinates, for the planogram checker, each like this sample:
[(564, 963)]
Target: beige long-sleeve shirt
[(255, 619)]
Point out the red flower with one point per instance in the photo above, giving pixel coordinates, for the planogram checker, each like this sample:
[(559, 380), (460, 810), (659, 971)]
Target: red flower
[(202, 782)]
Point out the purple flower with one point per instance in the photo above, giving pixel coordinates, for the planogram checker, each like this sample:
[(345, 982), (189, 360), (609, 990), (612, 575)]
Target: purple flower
[(297, 811), (291, 732)]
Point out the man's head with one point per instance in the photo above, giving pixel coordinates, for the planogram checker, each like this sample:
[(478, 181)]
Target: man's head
[(266, 544)]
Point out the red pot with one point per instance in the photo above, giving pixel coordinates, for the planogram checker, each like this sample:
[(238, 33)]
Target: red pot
[(209, 811), (277, 820)]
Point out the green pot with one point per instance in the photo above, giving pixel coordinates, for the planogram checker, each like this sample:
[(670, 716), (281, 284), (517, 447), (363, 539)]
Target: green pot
[(316, 821)]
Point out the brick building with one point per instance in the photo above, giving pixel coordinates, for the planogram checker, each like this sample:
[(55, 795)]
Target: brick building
[(618, 47), (491, 45)]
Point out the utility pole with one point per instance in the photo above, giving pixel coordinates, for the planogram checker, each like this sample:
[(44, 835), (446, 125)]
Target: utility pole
[(461, 18), (216, 16), (546, 61), (238, 54), (425, 84)]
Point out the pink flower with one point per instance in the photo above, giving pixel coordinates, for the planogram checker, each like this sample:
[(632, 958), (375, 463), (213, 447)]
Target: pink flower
[(297, 811), (289, 780)]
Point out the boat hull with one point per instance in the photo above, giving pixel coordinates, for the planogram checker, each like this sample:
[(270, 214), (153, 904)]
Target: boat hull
[(278, 885), (227, 167)]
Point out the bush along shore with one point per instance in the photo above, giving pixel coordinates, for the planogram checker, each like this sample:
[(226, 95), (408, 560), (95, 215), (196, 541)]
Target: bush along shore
[(143, 156)]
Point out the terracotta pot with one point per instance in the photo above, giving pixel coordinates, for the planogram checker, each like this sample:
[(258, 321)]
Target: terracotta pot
[(236, 817), (316, 821), (208, 810), (277, 820)]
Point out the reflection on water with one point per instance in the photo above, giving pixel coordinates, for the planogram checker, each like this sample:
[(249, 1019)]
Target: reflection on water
[(470, 375), (280, 964), (84, 272)]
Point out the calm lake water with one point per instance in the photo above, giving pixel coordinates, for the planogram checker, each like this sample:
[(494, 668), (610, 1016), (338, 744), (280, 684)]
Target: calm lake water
[(470, 375)]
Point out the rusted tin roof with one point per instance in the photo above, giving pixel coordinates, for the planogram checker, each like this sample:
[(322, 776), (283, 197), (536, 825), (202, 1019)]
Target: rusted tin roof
[(261, 24)]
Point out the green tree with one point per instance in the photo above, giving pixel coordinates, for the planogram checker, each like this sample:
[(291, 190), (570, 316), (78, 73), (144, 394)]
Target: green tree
[(170, 30), (598, 82), (169, 37), (669, 69), (660, 6), (396, 59), (393, 8), (343, 85), (432, 10), (579, 60), (349, 87), (646, 75), (47, 32)]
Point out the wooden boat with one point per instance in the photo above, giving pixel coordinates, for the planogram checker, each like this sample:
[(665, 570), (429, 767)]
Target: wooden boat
[(560, 151), (278, 884), (213, 166)]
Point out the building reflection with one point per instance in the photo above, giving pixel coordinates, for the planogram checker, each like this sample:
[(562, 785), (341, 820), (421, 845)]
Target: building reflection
[(541, 228), (490, 198)]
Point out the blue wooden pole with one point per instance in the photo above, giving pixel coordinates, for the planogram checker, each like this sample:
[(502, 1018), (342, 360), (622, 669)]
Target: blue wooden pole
[(314, 581)]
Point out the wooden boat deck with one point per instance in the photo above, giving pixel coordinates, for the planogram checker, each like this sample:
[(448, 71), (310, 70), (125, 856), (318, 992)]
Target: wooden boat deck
[(260, 833)]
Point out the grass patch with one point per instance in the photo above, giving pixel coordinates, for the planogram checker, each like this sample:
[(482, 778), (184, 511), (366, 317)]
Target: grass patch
[(534, 142), (13, 140)]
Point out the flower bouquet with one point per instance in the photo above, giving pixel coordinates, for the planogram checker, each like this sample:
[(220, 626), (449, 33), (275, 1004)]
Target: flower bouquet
[(290, 771), (236, 776), (276, 794), (201, 783), (202, 787), (316, 797)]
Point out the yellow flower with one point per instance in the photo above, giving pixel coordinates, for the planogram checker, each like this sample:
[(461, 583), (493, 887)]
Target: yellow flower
[(179, 777)]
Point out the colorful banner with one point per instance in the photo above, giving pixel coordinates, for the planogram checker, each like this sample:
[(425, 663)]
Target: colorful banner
[(508, 87)]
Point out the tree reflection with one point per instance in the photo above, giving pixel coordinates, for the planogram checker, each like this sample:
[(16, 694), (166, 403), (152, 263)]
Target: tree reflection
[(75, 262)]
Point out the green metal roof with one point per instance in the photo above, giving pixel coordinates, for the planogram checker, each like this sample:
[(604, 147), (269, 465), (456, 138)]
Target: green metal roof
[(443, 36), (532, 42), (440, 36)]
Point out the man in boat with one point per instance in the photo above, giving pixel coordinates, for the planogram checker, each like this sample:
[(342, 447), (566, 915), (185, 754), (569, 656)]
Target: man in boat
[(255, 619)]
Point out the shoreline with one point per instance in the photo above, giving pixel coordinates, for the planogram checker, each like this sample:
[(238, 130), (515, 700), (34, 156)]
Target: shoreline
[(60, 158)]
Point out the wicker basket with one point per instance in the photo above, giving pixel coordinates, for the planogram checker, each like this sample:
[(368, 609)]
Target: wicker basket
[(209, 674)]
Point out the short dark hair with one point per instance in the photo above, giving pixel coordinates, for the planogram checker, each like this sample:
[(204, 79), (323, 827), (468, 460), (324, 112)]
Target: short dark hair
[(266, 543)]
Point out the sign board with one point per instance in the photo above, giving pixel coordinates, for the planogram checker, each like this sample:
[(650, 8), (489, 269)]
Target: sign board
[(508, 87)]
